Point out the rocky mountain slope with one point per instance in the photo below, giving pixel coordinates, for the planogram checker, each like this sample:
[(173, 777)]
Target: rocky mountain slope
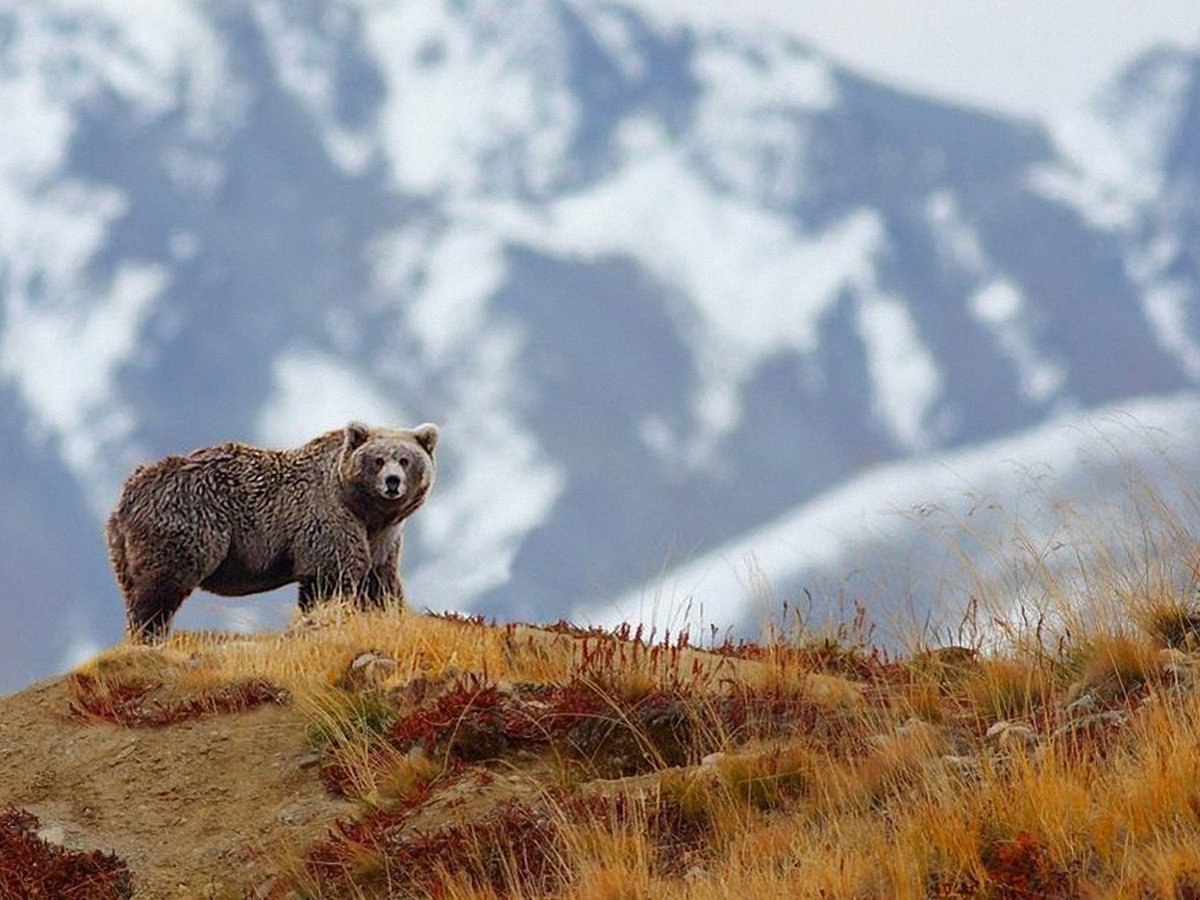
[(661, 287)]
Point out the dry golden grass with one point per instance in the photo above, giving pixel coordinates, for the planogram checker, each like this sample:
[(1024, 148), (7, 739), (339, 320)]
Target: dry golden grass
[(927, 807), (804, 815), (885, 778)]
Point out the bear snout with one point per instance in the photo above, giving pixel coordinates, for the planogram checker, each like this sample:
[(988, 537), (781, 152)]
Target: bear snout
[(391, 482)]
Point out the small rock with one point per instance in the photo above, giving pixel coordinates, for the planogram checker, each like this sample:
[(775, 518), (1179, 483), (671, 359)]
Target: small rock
[(914, 730), (917, 728), (1010, 737), (958, 742), (1083, 705), (124, 753), (945, 661), (1074, 692), (712, 759), (308, 760), (373, 661), (1181, 669), (369, 669), (963, 766), (1091, 724), (301, 812), (1170, 656), (53, 834)]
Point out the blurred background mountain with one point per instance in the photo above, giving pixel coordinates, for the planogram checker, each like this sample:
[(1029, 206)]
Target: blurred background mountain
[(708, 316)]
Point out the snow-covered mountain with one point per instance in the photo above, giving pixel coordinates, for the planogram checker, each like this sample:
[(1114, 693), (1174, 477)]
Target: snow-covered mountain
[(662, 288)]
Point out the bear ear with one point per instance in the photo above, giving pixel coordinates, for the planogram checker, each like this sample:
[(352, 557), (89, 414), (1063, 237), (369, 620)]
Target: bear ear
[(427, 436), (356, 435)]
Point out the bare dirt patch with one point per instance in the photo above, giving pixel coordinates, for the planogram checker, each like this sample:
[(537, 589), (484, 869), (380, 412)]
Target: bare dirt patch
[(203, 808)]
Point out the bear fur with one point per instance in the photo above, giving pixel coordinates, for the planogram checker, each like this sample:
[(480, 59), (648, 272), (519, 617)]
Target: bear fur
[(235, 519)]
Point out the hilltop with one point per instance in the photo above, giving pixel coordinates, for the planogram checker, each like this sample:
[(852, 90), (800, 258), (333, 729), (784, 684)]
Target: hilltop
[(398, 754)]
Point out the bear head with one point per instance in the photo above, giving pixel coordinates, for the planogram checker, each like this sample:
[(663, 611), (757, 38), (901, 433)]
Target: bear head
[(386, 473)]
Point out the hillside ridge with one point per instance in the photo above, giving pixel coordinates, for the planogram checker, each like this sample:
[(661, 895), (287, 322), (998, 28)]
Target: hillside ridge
[(396, 754)]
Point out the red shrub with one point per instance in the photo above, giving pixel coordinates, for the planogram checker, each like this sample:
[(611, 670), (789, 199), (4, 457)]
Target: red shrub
[(32, 867), (130, 703), (517, 849), (1021, 868)]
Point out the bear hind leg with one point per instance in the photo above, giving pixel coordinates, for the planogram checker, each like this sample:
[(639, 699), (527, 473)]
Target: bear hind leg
[(115, 536), (308, 596), (152, 607)]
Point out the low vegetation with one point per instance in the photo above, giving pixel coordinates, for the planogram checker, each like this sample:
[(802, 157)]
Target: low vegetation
[(31, 866), (1047, 750)]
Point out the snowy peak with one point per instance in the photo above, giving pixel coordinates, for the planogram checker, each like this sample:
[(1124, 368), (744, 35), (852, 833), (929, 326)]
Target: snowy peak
[(1148, 105), (662, 287)]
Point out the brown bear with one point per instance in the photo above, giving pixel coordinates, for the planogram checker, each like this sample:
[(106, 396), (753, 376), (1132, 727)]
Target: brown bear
[(235, 519)]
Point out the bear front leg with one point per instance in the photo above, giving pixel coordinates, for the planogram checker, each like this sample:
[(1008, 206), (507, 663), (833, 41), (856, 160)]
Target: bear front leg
[(317, 590), (333, 584), (383, 588), (332, 560), (342, 577)]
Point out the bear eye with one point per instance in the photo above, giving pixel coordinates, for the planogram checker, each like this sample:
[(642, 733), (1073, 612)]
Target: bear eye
[(379, 462), (404, 462)]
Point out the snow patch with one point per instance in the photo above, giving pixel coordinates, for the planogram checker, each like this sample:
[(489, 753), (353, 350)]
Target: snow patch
[(1094, 174), (495, 482), (305, 55), (754, 117), (1168, 301), (81, 648), (462, 269), (769, 72), (64, 341), (1147, 104), (957, 241), (610, 26), (478, 103), (64, 359), (161, 59), (903, 372), (60, 57), (1170, 308), (1114, 151), (1071, 462), (747, 283), (499, 484), (1000, 307), (314, 393), (996, 303)]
